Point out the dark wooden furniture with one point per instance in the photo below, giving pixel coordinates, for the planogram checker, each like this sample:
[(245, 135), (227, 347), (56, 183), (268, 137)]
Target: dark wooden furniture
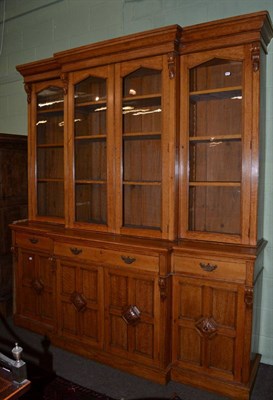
[(10, 390), (13, 205), (144, 247)]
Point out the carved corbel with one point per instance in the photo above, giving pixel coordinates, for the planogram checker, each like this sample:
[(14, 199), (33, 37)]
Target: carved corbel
[(162, 283), (249, 296), (255, 57), (28, 90), (14, 251), (52, 261), (171, 65), (64, 80)]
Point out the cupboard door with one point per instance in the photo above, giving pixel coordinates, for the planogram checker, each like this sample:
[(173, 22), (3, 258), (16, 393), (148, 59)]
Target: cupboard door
[(46, 174), (216, 145), (132, 316), (208, 327), (145, 128), (36, 291), (80, 302), (93, 153)]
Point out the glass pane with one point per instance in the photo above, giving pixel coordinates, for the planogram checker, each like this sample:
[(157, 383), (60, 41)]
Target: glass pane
[(90, 132), (142, 206), (50, 153), (143, 81), (90, 107), (91, 203), (142, 160), (90, 159), (215, 209), (50, 199), (50, 163), (216, 160), (210, 116), (216, 73), (142, 116), (142, 153), (92, 89), (50, 116), (90, 121), (215, 146)]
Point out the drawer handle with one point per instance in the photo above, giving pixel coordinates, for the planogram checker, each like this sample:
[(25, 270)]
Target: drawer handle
[(128, 260), (33, 240), (75, 251), (208, 267)]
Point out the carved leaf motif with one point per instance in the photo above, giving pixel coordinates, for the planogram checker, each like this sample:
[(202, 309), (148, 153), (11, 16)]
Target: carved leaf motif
[(171, 65), (255, 56), (162, 287), (78, 301), (131, 315), (37, 285), (206, 327), (249, 296)]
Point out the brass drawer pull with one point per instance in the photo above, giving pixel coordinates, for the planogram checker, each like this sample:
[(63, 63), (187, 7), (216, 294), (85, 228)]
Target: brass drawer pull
[(75, 251), (127, 259), (208, 267), (33, 240)]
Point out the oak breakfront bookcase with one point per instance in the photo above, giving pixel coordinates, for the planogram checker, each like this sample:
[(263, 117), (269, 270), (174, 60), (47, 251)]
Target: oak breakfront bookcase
[(143, 248)]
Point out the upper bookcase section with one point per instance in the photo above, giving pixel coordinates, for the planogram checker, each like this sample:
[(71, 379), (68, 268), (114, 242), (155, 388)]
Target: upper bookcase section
[(248, 28)]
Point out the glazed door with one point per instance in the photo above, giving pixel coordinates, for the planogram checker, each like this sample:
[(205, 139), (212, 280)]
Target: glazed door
[(91, 149), (36, 290), (80, 302), (46, 155), (132, 316), (208, 327), (216, 146), (145, 112)]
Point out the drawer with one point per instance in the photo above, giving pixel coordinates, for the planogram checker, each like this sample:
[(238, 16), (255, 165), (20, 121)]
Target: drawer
[(33, 241), (107, 257), (210, 268)]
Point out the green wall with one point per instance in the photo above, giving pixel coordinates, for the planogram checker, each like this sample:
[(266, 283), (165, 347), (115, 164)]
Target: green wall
[(35, 29)]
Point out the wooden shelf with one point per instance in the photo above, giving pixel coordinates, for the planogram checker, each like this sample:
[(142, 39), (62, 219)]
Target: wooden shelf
[(50, 180), (143, 97), (50, 111), (91, 137), (205, 138), (49, 145), (217, 94), (142, 135), (89, 182), (139, 183), (211, 184)]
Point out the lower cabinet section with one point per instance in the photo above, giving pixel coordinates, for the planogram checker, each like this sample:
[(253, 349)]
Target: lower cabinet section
[(36, 290), (208, 326), (212, 322), (150, 309)]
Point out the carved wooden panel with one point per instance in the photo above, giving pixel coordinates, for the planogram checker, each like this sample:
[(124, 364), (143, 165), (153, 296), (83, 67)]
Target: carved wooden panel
[(36, 285), (80, 305), (207, 318), (132, 319), (28, 304)]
